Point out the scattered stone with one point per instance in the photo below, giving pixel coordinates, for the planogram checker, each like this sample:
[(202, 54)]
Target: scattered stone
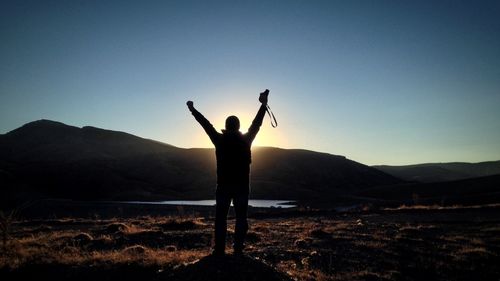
[(171, 248), (116, 227), (83, 238), (135, 250), (319, 233), (179, 225), (301, 243)]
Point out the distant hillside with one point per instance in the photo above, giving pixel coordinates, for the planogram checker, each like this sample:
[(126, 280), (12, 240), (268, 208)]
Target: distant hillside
[(50, 159), (475, 191), (301, 174), (49, 140), (440, 172)]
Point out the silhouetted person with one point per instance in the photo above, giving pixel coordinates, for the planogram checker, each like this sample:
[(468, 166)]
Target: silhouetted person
[(232, 150)]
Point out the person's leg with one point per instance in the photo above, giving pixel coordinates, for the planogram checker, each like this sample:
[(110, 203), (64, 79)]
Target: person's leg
[(223, 201), (240, 203)]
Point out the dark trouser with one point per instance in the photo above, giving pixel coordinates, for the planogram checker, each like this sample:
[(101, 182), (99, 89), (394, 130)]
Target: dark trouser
[(223, 201)]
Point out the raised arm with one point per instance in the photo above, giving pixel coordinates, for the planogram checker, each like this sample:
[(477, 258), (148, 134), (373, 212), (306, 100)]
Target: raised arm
[(207, 126), (257, 121)]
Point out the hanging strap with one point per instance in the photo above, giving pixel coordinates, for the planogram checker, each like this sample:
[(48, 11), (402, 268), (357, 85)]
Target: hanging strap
[(274, 123)]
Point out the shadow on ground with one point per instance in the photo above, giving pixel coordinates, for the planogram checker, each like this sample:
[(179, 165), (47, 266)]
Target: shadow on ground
[(227, 267), (208, 268)]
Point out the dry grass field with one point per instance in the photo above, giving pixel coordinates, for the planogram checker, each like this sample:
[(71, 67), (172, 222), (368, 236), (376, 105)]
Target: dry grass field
[(397, 244)]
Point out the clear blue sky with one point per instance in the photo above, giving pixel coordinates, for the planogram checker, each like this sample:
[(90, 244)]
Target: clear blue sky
[(381, 82)]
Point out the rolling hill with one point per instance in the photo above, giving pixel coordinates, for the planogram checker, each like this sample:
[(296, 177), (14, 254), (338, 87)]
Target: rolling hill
[(472, 191), (50, 159), (441, 172)]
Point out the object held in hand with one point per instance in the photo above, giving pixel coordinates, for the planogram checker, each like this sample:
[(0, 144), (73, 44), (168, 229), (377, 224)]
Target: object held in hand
[(263, 99), (263, 96)]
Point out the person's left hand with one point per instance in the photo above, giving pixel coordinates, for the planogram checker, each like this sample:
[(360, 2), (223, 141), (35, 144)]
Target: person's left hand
[(190, 105)]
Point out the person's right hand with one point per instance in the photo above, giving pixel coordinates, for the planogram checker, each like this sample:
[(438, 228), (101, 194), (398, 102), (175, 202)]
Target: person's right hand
[(190, 105), (263, 96)]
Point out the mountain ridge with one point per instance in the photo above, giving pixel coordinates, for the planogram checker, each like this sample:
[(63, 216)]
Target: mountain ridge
[(89, 163), (443, 171)]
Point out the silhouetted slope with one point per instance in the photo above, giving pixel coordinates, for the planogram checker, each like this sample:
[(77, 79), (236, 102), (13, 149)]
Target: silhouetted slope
[(482, 190), (58, 160), (49, 140), (439, 172), (291, 173), (47, 158)]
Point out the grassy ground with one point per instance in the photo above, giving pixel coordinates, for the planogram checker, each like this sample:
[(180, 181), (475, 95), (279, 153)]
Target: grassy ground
[(390, 245)]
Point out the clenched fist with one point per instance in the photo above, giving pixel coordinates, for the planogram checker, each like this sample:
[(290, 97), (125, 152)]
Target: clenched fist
[(190, 105)]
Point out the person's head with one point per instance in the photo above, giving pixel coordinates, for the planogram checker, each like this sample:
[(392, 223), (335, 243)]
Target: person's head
[(232, 123)]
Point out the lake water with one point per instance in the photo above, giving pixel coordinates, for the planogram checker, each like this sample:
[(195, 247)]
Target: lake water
[(252, 202)]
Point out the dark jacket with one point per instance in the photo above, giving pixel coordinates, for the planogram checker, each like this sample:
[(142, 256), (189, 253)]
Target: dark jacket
[(232, 150)]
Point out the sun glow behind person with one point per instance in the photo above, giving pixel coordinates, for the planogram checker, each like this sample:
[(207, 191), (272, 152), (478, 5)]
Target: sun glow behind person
[(238, 98), (268, 136)]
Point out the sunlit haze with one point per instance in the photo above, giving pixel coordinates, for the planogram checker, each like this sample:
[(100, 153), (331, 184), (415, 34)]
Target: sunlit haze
[(381, 82)]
